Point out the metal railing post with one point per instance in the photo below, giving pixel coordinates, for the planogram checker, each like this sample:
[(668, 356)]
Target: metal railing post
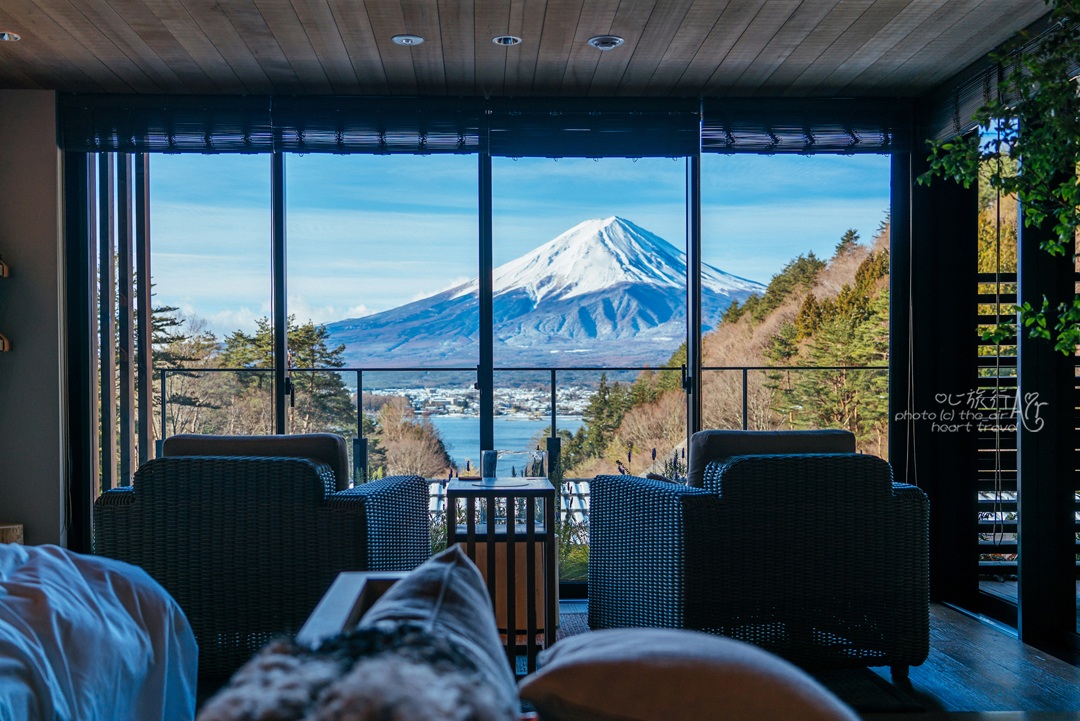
[(554, 431), (554, 443), (164, 409), (745, 425), (360, 444)]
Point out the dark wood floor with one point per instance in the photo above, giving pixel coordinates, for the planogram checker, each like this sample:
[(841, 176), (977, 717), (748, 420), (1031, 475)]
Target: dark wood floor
[(975, 672), (975, 667)]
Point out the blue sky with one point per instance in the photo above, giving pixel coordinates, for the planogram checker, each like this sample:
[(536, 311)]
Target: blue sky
[(367, 233)]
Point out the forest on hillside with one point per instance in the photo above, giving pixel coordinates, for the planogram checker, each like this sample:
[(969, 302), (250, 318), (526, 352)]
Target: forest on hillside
[(813, 313)]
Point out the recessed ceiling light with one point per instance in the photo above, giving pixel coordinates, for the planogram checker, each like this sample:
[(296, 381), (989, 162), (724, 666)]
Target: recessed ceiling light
[(407, 39), (606, 42), (506, 40), (9, 37)]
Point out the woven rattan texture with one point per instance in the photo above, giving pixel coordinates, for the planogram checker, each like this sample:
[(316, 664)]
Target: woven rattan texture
[(636, 552), (248, 546), (819, 558)]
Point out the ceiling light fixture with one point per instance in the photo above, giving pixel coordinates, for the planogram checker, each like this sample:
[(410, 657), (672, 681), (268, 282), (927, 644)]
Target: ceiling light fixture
[(407, 39), (9, 37), (506, 40), (606, 42)]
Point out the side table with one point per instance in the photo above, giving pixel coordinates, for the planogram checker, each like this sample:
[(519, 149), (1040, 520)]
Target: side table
[(499, 533), (11, 533)]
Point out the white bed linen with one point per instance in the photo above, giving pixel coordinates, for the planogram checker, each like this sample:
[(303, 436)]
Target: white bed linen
[(87, 638)]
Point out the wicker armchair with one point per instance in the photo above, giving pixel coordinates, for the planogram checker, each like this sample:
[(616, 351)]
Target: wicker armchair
[(248, 545), (819, 558)]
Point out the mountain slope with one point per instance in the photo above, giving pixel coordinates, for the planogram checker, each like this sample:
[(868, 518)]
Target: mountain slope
[(605, 290)]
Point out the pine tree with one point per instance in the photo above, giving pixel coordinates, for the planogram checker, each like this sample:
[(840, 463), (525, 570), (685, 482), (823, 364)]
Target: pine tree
[(784, 345), (798, 274), (603, 415), (668, 380), (828, 309), (849, 241), (855, 400), (732, 313), (809, 318), (874, 267)]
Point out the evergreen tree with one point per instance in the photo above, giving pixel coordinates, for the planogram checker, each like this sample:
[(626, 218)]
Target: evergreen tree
[(874, 267), (856, 400), (798, 274), (644, 389), (603, 415), (784, 345), (182, 347), (809, 318), (828, 309), (670, 380), (849, 241), (732, 313), (752, 307)]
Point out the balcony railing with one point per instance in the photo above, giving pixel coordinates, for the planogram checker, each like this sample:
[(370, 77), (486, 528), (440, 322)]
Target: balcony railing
[(359, 454)]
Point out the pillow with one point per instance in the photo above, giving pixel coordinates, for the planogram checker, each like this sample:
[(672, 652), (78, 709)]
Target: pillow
[(329, 448), (707, 446), (654, 674), (447, 596)]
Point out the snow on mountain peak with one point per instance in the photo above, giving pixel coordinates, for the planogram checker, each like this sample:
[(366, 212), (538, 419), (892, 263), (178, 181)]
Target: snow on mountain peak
[(597, 254), (606, 287)]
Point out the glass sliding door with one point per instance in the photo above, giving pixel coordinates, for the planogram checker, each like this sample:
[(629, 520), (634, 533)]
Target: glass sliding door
[(590, 272), (589, 308), (211, 267), (382, 302), (796, 294)]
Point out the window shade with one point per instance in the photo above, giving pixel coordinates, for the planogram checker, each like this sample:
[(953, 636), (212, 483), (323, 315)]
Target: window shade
[(512, 127), (593, 127), (805, 126)]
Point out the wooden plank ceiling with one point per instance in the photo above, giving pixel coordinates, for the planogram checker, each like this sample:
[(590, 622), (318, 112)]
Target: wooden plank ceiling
[(687, 48)]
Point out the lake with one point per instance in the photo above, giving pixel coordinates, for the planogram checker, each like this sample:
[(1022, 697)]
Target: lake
[(462, 435)]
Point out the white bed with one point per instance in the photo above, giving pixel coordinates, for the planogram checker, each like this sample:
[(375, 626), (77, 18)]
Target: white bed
[(88, 638)]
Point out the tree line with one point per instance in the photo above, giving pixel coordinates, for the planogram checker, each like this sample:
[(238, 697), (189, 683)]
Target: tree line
[(203, 397)]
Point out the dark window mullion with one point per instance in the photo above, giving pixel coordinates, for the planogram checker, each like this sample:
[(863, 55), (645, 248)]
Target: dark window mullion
[(281, 322)]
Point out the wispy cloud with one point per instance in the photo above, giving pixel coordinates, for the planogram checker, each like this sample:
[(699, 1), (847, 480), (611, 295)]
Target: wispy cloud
[(318, 314), (453, 283)]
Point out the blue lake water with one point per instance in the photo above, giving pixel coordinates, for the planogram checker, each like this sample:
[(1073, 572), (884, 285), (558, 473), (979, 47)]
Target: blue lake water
[(462, 435)]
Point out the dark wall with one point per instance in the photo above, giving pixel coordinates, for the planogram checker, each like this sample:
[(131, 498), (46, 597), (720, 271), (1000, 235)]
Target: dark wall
[(32, 444)]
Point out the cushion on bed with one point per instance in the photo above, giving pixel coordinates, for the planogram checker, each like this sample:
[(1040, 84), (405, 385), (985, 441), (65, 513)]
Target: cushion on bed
[(647, 674), (447, 595)]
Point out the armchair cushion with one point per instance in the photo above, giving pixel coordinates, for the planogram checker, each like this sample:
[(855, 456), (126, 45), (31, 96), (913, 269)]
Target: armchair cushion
[(329, 448), (708, 446), (639, 674)]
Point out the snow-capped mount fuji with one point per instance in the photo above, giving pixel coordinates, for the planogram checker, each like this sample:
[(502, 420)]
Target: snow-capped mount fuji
[(606, 291)]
